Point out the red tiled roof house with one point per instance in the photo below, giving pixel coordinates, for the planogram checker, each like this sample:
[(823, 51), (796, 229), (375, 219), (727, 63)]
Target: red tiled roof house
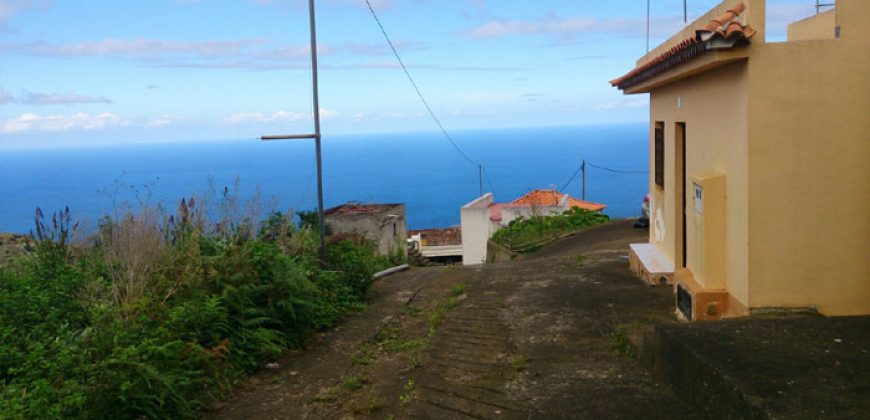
[(482, 217)]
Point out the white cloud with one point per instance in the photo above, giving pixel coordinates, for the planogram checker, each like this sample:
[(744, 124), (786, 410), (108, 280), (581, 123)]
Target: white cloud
[(163, 121), (328, 113), (277, 116), (622, 104), (68, 98), (570, 27), (258, 117), (6, 97), (378, 5), (137, 48), (159, 122), (54, 123), (248, 54), (9, 8), (300, 5)]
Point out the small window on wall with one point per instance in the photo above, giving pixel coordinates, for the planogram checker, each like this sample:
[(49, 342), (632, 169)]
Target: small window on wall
[(659, 141)]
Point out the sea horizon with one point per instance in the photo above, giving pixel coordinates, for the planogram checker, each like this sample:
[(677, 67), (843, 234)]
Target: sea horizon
[(419, 168)]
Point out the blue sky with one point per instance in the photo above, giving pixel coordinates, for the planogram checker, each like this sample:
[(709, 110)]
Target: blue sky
[(107, 72)]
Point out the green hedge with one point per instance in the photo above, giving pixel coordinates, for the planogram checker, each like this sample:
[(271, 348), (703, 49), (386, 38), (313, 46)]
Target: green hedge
[(527, 234)]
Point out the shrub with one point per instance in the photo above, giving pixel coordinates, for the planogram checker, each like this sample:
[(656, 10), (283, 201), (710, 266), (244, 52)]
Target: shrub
[(526, 234), (163, 311)]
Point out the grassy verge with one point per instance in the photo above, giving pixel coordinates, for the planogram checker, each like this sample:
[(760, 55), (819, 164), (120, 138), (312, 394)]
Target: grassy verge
[(159, 312)]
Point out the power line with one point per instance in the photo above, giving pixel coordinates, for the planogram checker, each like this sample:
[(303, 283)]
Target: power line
[(580, 169), (619, 171), (570, 180), (416, 88), (488, 182)]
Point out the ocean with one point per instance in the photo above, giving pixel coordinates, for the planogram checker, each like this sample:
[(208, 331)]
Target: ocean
[(422, 170)]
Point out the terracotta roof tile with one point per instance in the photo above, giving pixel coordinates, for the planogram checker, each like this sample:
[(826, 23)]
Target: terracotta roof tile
[(551, 198), (439, 236), (359, 208), (585, 205), (723, 32)]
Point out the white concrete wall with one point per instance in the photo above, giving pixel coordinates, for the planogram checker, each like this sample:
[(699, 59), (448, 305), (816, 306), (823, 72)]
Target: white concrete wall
[(509, 214), (476, 229)]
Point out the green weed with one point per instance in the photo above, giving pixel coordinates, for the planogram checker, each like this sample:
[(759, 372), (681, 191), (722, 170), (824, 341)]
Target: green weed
[(408, 396), (620, 341), (352, 383), (520, 363), (414, 311)]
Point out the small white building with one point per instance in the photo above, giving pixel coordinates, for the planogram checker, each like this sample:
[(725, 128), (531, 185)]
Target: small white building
[(481, 218)]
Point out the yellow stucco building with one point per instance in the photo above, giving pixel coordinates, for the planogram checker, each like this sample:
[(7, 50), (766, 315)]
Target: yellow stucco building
[(759, 162)]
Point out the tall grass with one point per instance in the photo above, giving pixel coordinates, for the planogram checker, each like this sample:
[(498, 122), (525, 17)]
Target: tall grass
[(159, 312)]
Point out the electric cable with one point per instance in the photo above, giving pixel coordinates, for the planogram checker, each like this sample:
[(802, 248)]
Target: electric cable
[(416, 88), (570, 180), (488, 181), (579, 169), (619, 171)]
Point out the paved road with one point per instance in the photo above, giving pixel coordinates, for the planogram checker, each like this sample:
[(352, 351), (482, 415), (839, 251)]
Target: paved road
[(546, 337)]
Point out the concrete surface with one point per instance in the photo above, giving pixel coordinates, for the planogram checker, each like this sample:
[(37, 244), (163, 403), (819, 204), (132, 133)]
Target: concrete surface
[(783, 367), (549, 337)]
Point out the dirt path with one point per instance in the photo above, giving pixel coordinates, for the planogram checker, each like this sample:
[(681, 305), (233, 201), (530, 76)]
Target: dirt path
[(549, 337)]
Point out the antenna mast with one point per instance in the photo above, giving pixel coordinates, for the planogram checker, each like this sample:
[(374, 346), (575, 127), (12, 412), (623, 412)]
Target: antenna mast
[(820, 5)]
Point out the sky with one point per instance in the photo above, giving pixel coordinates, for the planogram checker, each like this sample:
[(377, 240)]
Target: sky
[(89, 72)]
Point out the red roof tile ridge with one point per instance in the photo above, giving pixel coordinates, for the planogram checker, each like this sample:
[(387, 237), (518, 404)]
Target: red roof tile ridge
[(725, 26), (726, 17)]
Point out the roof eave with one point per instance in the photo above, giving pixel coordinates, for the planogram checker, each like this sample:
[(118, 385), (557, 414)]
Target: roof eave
[(710, 60)]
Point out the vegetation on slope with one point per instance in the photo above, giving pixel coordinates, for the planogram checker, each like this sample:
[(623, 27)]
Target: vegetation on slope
[(527, 234), (159, 312)]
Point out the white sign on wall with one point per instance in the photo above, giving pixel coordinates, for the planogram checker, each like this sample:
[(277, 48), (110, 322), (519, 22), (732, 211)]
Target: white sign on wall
[(699, 199)]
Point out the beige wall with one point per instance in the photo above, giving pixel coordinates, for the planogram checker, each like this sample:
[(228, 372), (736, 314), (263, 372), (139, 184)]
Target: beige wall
[(790, 129), (714, 107), (810, 169), (820, 26)]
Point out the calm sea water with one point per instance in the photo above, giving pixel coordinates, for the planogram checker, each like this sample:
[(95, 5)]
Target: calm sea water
[(421, 170)]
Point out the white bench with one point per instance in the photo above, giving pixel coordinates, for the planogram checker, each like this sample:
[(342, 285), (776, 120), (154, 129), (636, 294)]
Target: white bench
[(650, 264)]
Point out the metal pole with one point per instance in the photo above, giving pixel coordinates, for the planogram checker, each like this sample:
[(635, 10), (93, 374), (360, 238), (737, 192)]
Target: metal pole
[(685, 14), (480, 177), (647, 26), (583, 169), (316, 100)]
